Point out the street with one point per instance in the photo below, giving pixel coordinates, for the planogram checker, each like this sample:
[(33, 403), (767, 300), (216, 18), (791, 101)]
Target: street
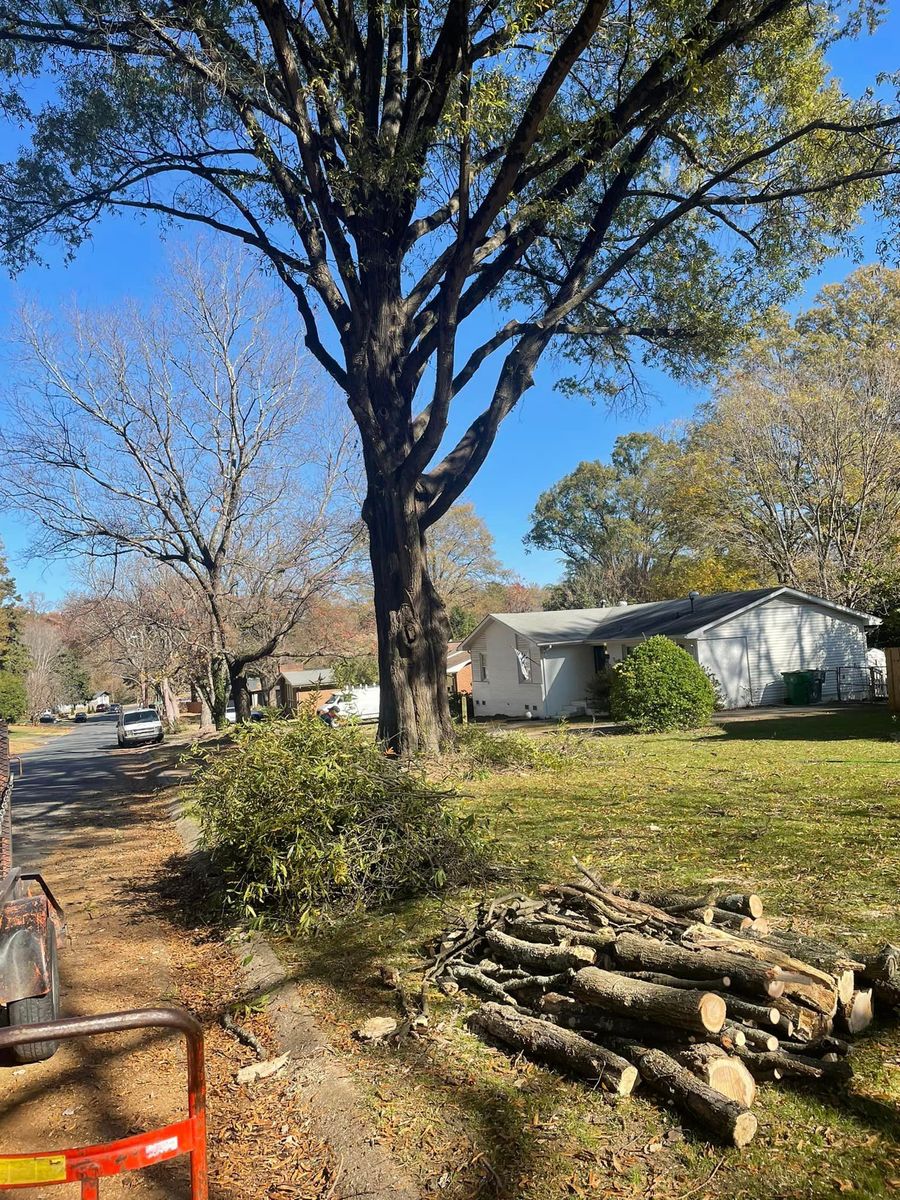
[(92, 819)]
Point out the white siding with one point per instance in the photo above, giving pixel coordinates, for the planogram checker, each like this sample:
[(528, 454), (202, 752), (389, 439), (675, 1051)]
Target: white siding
[(502, 693), (780, 635), (567, 672)]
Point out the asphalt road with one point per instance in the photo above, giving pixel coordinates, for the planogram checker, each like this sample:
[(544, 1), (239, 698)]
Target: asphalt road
[(68, 771)]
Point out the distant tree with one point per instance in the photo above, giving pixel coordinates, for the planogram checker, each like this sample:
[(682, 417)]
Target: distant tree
[(803, 441), (189, 438), (461, 557), (462, 622), (73, 682), (44, 644), (13, 655), (450, 189), (356, 671), (635, 528), (13, 698)]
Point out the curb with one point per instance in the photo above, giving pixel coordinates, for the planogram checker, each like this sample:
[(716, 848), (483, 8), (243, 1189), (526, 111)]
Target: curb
[(337, 1115)]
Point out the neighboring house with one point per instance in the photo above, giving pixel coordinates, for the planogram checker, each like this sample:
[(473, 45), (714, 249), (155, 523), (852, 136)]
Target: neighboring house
[(459, 670), (102, 698), (307, 686), (541, 663)]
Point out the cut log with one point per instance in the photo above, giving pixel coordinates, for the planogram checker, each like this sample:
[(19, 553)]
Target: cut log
[(693, 1010), (671, 902), (732, 1035), (801, 980), (882, 971), (679, 982), (746, 1011), (785, 1066), (540, 958), (535, 931), (721, 916), (747, 904), (560, 1048), (808, 1024), (725, 1118), (758, 1039), (721, 1071), (648, 954), (588, 1018), (858, 1012), (820, 1048)]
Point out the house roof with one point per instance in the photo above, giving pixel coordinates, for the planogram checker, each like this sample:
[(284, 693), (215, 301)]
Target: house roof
[(674, 618), (309, 678), (456, 660)]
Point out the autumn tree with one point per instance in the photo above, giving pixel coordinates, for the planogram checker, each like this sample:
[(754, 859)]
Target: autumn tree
[(186, 437), (460, 556), (603, 179), (803, 440)]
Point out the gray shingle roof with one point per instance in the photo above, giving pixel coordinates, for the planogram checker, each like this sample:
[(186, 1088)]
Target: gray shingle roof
[(309, 678), (674, 618)]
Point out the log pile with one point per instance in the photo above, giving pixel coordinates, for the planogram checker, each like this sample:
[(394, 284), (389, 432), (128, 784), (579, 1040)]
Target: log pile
[(695, 997)]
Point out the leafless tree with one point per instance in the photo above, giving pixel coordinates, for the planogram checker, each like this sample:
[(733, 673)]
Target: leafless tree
[(195, 437), (43, 641)]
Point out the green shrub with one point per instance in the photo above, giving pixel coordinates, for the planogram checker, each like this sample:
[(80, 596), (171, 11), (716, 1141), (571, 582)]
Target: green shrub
[(659, 687), (598, 691), (481, 750), (13, 700), (302, 822)]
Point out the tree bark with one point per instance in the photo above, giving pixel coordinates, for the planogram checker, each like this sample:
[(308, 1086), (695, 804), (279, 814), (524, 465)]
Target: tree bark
[(647, 954), (538, 956), (725, 1118), (412, 626), (169, 703), (560, 1048), (702, 1012), (241, 695)]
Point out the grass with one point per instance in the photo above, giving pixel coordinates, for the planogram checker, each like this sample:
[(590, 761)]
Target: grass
[(804, 809), (29, 737)]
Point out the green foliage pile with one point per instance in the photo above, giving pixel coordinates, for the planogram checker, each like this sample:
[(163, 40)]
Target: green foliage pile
[(302, 822), (13, 700), (481, 750), (660, 687)]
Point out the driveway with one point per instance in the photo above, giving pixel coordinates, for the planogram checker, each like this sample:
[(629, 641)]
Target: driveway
[(91, 817)]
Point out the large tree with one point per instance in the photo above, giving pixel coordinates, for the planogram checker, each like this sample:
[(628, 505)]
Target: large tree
[(802, 441), (632, 176), (187, 437)]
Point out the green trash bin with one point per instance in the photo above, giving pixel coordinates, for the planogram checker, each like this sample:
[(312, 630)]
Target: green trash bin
[(798, 687)]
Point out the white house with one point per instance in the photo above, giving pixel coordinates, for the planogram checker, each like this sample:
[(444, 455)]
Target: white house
[(541, 663)]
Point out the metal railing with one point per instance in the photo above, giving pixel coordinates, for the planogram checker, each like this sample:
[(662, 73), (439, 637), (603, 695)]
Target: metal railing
[(860, 685)]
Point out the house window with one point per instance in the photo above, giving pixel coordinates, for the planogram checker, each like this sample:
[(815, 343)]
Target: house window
[(481, 661), (601, 658)]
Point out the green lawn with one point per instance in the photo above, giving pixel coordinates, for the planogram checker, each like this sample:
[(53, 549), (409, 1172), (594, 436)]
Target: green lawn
[(803, 809)]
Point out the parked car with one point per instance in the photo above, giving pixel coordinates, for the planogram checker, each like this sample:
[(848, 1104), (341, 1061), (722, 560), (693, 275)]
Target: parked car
[(81, 716), (139, 725), (101, 708), (114, 709), (359, 703), (47, 717)]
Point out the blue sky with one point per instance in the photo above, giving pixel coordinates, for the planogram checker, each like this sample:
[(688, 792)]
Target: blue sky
[(544, 438)]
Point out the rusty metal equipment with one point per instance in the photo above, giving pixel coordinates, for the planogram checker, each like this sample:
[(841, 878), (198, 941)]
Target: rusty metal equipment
[(89, 1164), (31, 925)]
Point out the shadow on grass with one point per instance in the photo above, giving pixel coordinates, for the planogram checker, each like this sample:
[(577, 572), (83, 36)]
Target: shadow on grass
[(871, 722)]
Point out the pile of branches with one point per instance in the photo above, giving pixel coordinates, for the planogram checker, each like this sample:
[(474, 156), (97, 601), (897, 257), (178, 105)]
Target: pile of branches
[(698, 998)]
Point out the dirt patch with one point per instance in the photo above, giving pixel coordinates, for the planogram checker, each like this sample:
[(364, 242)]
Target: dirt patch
[(103, 853)]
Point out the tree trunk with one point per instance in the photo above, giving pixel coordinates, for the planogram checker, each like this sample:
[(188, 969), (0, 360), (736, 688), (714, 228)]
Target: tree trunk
[(412, 627), (241, 694), (169, 703), (701, 1012)]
